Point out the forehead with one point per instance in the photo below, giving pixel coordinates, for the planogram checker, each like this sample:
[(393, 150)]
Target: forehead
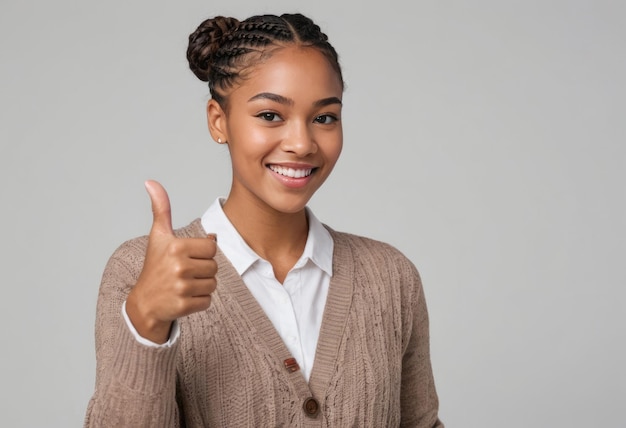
[(295, 72)]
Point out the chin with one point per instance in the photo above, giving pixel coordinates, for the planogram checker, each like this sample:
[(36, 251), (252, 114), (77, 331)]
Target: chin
[(290, 205)]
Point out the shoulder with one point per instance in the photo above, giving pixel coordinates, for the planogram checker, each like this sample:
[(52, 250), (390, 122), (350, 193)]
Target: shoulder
[(367, 247), (384, 256), (381, 271)]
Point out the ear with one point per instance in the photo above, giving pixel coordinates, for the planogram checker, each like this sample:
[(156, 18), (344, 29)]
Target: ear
[(216, 119)]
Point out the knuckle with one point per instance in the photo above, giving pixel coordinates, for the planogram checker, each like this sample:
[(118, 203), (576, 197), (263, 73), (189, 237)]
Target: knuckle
[(180, 306), (180, 288), (176, 248), (179, 269)]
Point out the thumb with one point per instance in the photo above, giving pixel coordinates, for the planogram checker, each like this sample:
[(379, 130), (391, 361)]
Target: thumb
[(161, 210)]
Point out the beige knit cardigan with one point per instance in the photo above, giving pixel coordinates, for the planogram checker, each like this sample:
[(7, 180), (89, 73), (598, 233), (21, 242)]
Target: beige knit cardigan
[(230, 368)]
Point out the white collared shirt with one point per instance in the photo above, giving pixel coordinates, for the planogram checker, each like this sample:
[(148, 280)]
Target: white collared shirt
[(295, 307)]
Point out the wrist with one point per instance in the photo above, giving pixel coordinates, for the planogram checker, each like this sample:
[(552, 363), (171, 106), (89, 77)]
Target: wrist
[(148, 327)]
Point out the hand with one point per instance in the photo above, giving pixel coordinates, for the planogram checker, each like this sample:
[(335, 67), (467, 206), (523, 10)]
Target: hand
[(178, 274)]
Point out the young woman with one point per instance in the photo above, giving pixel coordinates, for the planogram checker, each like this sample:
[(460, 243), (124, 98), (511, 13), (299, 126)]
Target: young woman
[(281, 321)]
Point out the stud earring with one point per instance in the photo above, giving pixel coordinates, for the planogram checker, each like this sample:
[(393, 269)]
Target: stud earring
[(219, 141)]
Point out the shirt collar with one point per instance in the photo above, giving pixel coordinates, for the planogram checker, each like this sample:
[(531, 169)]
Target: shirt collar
[(318, 248)]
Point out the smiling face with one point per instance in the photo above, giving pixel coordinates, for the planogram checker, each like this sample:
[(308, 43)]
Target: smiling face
[(283, 127)]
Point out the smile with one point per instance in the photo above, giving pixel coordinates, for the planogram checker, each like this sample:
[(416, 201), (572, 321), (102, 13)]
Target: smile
[(291, 172)]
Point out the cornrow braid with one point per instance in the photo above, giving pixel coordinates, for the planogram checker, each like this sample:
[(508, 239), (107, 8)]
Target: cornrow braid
[(222, 49)]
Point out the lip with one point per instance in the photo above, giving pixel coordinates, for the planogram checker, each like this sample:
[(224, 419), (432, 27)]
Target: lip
[(294, 165), (292, 182)]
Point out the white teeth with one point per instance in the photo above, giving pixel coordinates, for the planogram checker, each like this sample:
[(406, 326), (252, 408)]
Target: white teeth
[(290, 172)]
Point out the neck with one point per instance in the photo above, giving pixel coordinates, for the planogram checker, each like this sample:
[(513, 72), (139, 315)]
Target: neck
[(276, 236)]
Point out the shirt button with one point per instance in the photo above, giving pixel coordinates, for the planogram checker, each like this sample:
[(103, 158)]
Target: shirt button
[(311, 407)]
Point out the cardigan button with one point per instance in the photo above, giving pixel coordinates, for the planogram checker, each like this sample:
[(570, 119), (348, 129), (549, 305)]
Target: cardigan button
[(311, 407)]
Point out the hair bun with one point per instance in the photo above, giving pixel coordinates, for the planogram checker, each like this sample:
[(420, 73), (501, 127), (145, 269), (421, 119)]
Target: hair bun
[(205, 41)]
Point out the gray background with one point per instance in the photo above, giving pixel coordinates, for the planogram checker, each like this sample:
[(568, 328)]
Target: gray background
[(484, 139)]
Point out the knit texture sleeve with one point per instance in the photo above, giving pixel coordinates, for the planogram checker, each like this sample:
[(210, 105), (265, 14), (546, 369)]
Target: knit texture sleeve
[(135, 384), (419, 400)]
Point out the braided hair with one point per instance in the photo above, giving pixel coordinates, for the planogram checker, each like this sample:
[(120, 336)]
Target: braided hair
[(222, 49)]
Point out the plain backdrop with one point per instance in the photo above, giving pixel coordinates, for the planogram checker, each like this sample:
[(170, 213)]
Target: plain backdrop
[(484, 139)]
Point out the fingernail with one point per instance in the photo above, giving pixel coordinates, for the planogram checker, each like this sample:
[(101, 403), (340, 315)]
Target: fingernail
[(212, 236)]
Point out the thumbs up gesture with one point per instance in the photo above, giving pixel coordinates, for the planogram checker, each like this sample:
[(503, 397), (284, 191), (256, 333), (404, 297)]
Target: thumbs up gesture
[(178, 275)]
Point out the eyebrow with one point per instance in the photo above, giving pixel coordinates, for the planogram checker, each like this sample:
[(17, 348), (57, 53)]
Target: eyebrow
[(327, 101), (288, 101)]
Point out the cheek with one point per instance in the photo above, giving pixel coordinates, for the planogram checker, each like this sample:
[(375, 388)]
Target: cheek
[(333, 149), (254, 140)]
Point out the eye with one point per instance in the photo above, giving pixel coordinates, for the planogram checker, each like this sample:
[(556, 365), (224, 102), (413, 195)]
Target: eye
[(325, 119), (269, 116)]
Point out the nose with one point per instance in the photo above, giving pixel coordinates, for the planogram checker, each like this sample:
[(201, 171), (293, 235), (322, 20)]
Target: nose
[(299, 140)]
